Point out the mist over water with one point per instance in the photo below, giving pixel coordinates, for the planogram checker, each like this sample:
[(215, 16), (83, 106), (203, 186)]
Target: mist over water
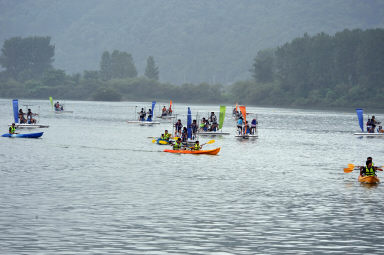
[(94, 184)]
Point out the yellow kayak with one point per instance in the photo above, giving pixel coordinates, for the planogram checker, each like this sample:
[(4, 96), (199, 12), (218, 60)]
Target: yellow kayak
[(369, 179)]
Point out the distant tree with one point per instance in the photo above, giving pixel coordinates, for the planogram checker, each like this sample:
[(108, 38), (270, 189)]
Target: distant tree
[(54, 77), (105, 66), (91, 75), (263, 66), (151, 71), (122, 65), (26, 58)]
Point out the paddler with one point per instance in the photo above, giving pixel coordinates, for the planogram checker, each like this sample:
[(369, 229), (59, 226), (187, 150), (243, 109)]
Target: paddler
[(177, 145), (12, 129), (167, 135), (142, 114), (197, 146), (369, 169)]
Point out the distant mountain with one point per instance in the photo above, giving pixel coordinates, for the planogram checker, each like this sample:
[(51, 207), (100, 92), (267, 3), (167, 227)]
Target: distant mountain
[(190, 40)]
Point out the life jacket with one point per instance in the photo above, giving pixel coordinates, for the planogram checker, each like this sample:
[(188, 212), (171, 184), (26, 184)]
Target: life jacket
[(197, 147), (166, 136), (177, 146), (369, 171), (13, 129)]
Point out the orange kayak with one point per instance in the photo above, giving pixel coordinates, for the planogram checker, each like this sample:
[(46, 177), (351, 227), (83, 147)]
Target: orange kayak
[(209, 152), (369, 179)]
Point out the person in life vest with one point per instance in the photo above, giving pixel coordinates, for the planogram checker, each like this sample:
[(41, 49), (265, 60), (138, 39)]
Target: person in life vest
[(380, 129), (167, 135), (169, 111), (253, 126), (178, 128), (12, 129), (164, 111), (177, 145), (197, 146), (369, 169)]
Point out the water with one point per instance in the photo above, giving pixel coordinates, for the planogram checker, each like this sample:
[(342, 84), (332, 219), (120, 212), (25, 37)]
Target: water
[(94, 184)]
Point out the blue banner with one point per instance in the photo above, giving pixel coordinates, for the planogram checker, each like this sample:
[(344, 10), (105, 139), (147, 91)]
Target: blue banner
[(153, 106), (360, 117), (189, 124), (16, 110)]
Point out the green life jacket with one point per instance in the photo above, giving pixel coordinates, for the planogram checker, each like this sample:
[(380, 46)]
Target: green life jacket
[(167, 136), (13, 130), (197, 147), (176, 146), (369, 171)]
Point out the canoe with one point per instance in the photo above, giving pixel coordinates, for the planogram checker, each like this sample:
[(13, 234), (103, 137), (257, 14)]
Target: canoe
[(369, 179), (209, 152), (30, 135)]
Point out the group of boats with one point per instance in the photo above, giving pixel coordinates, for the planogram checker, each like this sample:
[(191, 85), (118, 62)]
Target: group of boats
[(21, 123)]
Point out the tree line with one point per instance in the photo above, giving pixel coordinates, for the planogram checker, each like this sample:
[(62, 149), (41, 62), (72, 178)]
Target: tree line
[(345, 69)]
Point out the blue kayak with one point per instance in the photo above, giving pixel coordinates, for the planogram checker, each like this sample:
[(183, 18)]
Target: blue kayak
[(30, 135)]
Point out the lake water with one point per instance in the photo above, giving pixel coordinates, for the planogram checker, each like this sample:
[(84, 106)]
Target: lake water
[(94, 184)]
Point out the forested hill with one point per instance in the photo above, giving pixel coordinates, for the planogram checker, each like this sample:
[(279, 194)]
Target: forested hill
[(190, 40)]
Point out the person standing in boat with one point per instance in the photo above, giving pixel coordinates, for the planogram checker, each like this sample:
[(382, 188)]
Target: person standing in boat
[(184, 135), (21, 117), (194, 128), (12, 129), (30, 119), (247, 129), (142, 115), (149, 115), (374, 123), (253, 126), (178, 128), (169, 112), (240, 125), (212, 118)]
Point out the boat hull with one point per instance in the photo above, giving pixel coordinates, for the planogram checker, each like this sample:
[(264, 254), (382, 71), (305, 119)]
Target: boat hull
[(143, 123), (30, 126), (246, 136), (30, 135), (208, 152), (368, 179), (369, 134), (213, 133)]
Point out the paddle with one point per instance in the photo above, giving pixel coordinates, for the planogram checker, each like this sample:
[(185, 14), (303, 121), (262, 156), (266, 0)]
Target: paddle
[(351, 167), (209, 142)]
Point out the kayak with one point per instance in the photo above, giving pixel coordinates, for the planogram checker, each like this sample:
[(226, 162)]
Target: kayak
[(209, 152), (369, 179), (30, 135), (162, 141)]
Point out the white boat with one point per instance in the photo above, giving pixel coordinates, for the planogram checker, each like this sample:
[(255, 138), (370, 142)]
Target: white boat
[(15, 104), (25, 125), (143, 122), (220, 127), (361, 124), (62, 111), (212, 133), (247, 136), (166, 117), (369, 134)]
